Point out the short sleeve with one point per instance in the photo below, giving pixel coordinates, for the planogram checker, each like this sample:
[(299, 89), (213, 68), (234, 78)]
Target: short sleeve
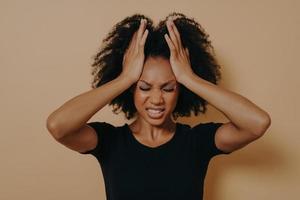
[(205, 139), (104, 133)]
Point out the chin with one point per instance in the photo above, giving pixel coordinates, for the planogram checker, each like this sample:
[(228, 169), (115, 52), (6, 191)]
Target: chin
[(157, 123)]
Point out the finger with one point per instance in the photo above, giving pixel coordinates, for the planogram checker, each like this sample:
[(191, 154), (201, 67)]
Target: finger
[(133, 39), (172, 34), (143, 40), (188, 54), (170, 44), (176, 32), (141, 29), (187, 51), (132, 43)]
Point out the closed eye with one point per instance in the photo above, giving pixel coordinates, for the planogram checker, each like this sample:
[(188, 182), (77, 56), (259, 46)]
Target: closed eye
[(168, 90), (147, 89), (144, 89)]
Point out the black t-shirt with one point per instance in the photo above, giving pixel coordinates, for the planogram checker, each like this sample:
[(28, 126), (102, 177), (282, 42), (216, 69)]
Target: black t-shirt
[(173, 170)]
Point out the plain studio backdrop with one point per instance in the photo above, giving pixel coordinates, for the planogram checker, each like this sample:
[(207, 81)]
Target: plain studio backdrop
[(46, 50)]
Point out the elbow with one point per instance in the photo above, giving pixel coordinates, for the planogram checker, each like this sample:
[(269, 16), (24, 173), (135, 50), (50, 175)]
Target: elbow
[(263, 126), (52, 129)]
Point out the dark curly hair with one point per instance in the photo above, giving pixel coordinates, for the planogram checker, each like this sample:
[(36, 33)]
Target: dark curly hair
[(107, 63)]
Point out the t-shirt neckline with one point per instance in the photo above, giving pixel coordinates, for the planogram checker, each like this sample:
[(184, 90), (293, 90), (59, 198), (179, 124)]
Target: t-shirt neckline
[(161, 146)]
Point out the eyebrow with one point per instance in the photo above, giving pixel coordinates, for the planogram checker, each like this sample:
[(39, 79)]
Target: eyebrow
[(166, 83)]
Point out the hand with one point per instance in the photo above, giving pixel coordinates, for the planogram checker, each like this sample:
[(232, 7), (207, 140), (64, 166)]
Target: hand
[(133, 59), (179, 56)]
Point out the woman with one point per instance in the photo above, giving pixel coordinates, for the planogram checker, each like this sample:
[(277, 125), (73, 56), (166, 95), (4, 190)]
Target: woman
[(156, 74)]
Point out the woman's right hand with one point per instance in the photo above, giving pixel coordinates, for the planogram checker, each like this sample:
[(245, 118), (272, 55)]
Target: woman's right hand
[(133, 59)]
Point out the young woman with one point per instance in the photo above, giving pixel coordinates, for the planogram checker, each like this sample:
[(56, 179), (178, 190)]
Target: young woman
[(156, 74)]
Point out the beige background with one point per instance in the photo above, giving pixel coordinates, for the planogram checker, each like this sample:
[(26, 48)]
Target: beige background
[(46, 49)]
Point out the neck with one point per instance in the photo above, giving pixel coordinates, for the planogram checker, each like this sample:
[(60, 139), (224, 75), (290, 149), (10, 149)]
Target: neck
[(152, 132)]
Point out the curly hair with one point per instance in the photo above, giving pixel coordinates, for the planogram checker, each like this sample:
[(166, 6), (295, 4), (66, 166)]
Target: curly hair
[(107, 63)]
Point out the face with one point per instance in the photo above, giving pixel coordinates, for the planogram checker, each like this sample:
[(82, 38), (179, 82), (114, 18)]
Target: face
[(156, 92)]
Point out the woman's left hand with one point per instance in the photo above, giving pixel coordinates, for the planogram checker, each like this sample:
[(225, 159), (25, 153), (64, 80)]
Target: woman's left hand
[(179, 56)]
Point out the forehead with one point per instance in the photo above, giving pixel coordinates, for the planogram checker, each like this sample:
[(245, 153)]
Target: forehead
[(157, 70)]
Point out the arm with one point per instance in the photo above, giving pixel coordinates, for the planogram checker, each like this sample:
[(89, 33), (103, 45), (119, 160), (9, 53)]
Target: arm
[(247, 121), (73, 114)]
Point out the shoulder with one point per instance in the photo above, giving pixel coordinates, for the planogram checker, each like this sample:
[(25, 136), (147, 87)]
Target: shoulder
[(103, 129)]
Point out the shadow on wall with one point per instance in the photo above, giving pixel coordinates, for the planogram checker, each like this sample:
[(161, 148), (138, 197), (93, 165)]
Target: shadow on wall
[(254, 159), (258, 157)]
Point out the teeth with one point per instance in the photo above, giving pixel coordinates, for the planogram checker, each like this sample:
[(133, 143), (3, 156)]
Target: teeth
[(154, 111)]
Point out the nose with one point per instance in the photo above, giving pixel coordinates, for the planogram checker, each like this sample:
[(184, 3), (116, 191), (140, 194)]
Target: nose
[(156, 97)]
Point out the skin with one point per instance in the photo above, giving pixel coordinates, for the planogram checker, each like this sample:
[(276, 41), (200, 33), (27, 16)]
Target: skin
[(247, 122), (157, 71)]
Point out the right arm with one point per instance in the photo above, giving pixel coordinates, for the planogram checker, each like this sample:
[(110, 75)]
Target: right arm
[(68, 125)]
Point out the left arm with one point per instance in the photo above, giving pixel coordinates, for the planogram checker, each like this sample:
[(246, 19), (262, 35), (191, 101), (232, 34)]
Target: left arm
[(247, 123)]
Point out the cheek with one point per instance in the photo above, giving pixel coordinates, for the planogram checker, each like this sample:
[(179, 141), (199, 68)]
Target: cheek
[(173, 100), (139, 99), (139, 96)]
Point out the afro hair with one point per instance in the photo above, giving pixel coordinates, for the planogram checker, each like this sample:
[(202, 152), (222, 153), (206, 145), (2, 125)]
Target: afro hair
[(107, 64)]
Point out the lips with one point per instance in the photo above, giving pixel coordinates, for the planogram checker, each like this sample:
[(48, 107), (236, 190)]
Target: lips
[(159, 109), (155, 112)]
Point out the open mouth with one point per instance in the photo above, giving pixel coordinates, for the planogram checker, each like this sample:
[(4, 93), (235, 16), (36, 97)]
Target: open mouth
[(155, 113)]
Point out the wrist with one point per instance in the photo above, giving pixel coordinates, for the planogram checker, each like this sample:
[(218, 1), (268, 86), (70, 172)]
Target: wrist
[(126, 79), (185, 77)]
